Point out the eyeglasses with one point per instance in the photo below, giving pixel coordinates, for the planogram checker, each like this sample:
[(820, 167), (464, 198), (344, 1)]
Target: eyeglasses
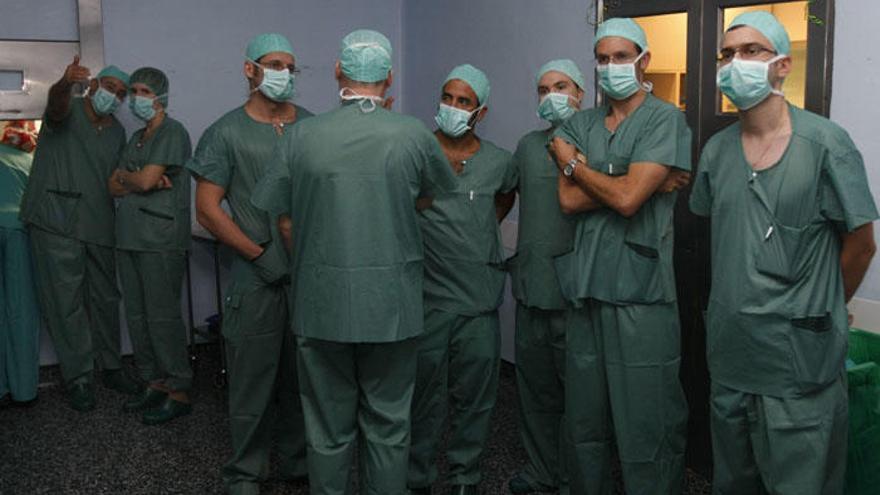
[(749, 51), (278, 65), (617, 58)]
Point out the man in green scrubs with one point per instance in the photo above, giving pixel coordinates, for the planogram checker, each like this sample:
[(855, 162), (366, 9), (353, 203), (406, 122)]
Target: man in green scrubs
[(544, 232), (792, 236), (232, 155), (622, 338), (459, 353), (349, 179), (19, 312), (152, 237), (69, 214)]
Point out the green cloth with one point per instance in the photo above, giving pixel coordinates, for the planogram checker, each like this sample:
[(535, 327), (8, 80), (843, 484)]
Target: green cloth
[(15, 166), (350, 180), (76, 285), (544, 231), (234, 153), (158, 220), (777, 320), (617, 259), (19, 316), (357, 395), (540, 384), (67, 191), (765, 444), (264, 402), (458, 362), (622, 387), (151, 284), (464, 271)]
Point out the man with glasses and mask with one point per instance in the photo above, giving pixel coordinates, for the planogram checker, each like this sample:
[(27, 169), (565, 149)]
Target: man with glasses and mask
[(70, 219), (459, 353), (232, 156), (622, 337), (792, 236)]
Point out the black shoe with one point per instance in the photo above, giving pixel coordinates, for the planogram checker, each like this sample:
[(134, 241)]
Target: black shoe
[(426, 490), (119, 381), (149, 397), (168, 410), (81, 396), (464, 490)]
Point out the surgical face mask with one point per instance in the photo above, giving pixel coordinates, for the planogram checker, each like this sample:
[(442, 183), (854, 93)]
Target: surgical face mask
[(277, 85), (556, 107), (142, 107), (104, 102), (746, 82), (454, 122), (619, 81), (368, 103)]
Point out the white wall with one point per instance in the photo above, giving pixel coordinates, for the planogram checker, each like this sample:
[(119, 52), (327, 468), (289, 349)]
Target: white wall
[(855, 104)]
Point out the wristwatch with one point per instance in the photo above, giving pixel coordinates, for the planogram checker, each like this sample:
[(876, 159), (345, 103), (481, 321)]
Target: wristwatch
[(568, 171)]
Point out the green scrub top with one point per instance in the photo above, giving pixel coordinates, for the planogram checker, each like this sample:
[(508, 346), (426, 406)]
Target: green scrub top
[(544, 231), (67, 191), (15, 166), (349, 180), (158, 220), (777, 320), (615, 259), (464, 272), (235, 153)]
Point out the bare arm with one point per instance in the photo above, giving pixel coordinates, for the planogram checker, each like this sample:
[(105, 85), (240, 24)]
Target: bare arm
[(573, 199), (503, 204), (212, 217), (856, 252), (624, 194), (285, 225), (59, 93), (146, 179)]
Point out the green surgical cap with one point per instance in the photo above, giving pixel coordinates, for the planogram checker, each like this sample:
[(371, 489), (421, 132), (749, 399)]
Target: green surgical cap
[(154, 79), (474, 78), (565, 66), (766, 24), (365, 56), (262, 44), (622, 27), (113, 71)]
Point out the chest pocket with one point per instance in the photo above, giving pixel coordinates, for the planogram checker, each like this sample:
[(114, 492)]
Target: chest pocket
[(781, 253), (611, 164)]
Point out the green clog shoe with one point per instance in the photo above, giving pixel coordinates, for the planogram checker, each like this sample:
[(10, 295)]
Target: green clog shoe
[(165, 412)]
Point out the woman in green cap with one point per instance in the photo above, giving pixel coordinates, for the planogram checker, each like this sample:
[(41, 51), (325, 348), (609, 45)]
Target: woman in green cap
[(152, 236)]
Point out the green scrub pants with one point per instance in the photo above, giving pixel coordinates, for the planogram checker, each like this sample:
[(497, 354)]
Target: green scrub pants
[(76, 285), (151, 284), (264, 402), (357, 394), (19, 318), (764, 444), (622, 383), (540, 383), (458, 363)]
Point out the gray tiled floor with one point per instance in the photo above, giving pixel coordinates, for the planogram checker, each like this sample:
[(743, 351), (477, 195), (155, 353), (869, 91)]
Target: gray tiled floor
[(49, 448)]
